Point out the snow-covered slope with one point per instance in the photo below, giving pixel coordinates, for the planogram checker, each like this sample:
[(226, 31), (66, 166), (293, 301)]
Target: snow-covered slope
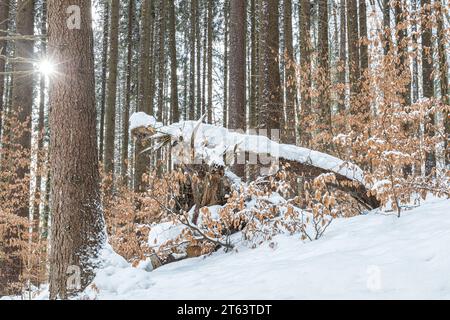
[(375, 256)]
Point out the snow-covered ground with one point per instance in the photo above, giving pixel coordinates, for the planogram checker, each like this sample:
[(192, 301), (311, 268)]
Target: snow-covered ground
[(376, 256)]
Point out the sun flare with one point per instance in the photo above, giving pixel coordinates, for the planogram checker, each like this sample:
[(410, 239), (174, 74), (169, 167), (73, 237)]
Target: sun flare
[(46, 67)]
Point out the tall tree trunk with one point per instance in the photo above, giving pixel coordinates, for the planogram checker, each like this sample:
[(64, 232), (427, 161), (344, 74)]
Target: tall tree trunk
[(111, 96), (342, 53), (324, 71), (198, 39), (162, 58), (192, 33), (443, 75), (237, 81), (77, 219), (252, 116), (402, 46), (103, 80), (288, 135), (428, 79), (209, 107), (271, 108), (4, 17), (225, 63), (305, 63), (174, 108), (127, 105), (364, 55), (40, 126), (353, 47), (144, 103), (387, 25)]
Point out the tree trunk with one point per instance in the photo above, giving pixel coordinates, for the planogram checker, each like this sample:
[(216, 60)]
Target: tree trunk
[(305, 63), (324, 72), (387, 25), (363, 36), (103, 80), (342, 54), (4, 16), (77, 219), (127, 105), (428, 79), (162, 59), (443, 72), (237, 81), (353, 47), (225, 63), (144, 97), (271, 108), (290, 78), (209, 108), (111, 97), (192, 60), (174, 108)]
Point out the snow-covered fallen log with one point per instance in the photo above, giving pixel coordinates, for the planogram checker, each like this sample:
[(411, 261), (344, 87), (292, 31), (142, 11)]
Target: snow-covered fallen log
[(196, 143)]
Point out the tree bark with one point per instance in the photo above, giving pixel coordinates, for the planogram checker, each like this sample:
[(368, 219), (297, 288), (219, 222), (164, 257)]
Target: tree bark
[(174, 108), (103, 80), (126, 109), (290, 77), (428, 79), (305, 63), (4, 17), (111, 96), (77, 218), (237, 80), (271, 108)]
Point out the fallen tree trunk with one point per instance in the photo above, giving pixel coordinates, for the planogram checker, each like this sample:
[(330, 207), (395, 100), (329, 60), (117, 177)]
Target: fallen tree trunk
[(196, 145)]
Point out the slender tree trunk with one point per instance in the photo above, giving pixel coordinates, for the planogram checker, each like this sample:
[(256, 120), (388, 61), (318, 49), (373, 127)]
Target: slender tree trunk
[(324, 71), (305, 63), (40, 127), (77, 219), (342, 54), (252, 117), (174, 108), (290, 78), (192, 33), (4, 16), (210, 61), (198, 107), (271, 109), (387, 25), (144, 103), (111, 97), (237, 81), (353, 47), (127, 105), (225, 64), (443, 76), (161, 57), (428, 79), (364, 55), (103, 78), (402, 46)]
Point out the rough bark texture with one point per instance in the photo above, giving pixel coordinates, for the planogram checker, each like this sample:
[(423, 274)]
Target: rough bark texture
[(192, 31), (110, 114), (271, 108), (225, 64), (127, 105), (144, 104), (342, 53), (324, 71), (174, 108), (4, 15), (305, 62), (402, 46), (209, 108), (443, 72), (363, 35), (353, 47), (387, 24), (161, 57), (237, 81), (288, 135), (428, 77), (77, 219), (105, 42)]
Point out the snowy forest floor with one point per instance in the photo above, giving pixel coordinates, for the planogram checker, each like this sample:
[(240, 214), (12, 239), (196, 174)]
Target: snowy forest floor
[(374, 256)]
